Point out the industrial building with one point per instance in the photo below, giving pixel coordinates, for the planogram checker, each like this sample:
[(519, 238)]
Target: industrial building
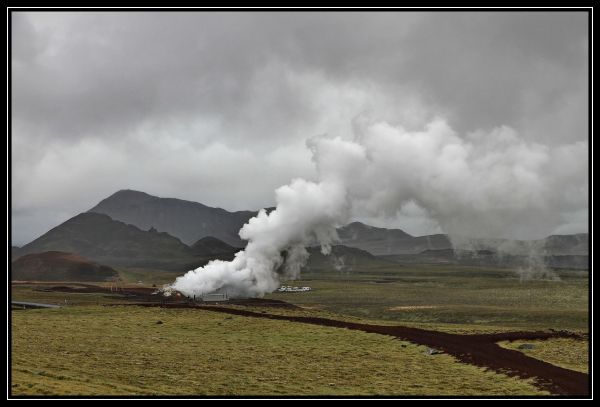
[(290, 289)]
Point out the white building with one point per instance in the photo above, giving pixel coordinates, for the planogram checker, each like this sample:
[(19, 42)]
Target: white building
[(290, 289)]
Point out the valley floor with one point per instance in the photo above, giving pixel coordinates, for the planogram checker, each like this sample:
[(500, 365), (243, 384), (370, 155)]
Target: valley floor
[(126, 351), (88, 348)]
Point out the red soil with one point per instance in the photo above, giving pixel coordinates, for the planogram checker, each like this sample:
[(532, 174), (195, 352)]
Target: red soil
[(478, 349)]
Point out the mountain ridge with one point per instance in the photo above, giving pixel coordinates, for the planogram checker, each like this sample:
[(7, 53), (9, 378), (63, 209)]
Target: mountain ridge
[(187, 220), (105, 240), (144, 240)]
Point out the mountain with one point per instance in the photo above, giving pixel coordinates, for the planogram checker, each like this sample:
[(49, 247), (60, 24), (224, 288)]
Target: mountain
[(147, 231), (385, 242), (192, 221), (104, 240), (381, 241), (14, 252), (211, 245), (59, 266), (189, 221), (560, 245), (342, 259)]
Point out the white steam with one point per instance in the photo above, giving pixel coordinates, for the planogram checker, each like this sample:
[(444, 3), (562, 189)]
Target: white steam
[(306, 212), (484, 185)]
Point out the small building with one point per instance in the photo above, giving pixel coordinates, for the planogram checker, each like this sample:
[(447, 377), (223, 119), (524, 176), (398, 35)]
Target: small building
[(290, 289)]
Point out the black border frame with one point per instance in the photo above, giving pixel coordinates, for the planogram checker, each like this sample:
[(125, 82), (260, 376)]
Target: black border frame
[(10, 10)]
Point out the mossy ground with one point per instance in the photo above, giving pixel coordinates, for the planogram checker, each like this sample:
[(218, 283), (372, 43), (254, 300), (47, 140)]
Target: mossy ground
[(85, 348), (568, 353), (124, 351)]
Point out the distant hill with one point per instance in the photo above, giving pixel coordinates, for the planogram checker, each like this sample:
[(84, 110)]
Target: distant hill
[(104, 240), (381, 241), (342, 259), (554, 245), (490, 258), (189, 221), (142, 236), (192, 221), (14, 252), (211, 245), (558, 245), (59, 266)]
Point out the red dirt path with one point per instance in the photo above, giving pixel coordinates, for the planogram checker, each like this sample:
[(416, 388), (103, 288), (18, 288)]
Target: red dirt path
[(478, 349)]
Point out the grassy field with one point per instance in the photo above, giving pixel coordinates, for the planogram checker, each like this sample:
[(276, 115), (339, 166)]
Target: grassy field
[(124, 351), (146, 276), (442, 296), (568, 353), (85, 348), (37, 293)]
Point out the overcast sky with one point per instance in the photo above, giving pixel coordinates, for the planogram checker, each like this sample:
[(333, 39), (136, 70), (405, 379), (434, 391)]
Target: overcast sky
[(217, 107)]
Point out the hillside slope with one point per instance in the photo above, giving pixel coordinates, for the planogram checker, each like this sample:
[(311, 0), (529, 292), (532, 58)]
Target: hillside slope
[(187, 220), (59, 266), (104, 240)]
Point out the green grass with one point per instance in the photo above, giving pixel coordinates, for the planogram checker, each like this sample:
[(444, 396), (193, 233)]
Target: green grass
[(147, 276), (449, 295), (87, 349), (568, 353), (91, 350), (35, 293)]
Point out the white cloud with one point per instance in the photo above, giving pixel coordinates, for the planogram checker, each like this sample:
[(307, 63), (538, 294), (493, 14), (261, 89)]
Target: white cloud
[(216, 107)]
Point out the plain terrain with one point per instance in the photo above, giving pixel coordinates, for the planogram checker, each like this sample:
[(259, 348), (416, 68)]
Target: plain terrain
[(88, 348)]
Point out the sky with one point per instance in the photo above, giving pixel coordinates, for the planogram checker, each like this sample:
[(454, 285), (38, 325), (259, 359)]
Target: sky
[(218, 107)]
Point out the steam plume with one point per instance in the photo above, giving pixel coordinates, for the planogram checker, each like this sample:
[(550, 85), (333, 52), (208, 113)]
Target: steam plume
[(306, 212), (483, 185)]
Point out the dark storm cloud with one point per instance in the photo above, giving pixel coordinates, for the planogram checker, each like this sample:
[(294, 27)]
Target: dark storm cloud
[(216, 107)]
